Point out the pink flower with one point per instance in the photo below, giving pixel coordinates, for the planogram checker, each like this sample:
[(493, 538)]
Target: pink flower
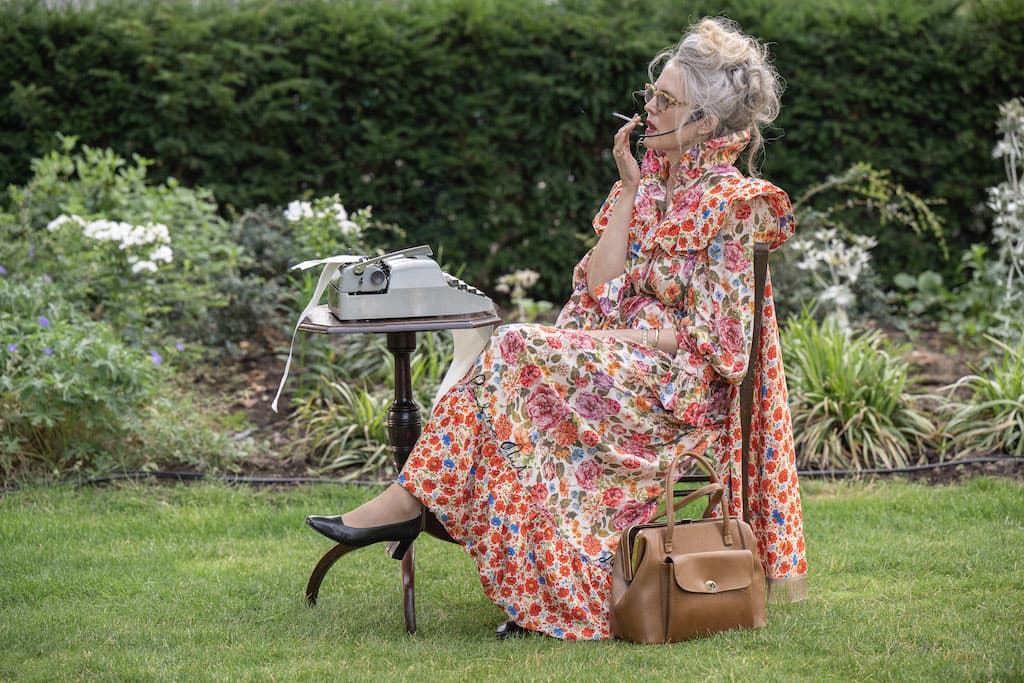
[(545, 407), (613, 497), (735, 257), (632, 513), (539, 493), (581, 340), (695, 414), (633, 306), (644, 204), (591, 407), (587, 474), (529, 374), (651, 163), (692, 198), (512, 344), (730, 332), (547, 470), (639, 450)]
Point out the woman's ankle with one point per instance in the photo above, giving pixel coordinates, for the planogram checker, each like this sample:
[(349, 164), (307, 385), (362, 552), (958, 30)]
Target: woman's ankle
[(393, 506)]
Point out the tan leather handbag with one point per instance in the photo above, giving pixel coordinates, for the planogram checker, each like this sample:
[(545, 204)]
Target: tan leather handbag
[(689, 579)]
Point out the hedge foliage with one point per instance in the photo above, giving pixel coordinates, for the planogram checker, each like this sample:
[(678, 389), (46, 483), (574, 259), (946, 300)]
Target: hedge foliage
[(482, 126)]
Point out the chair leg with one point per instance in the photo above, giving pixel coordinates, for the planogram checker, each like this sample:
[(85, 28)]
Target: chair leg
[(408, 580), (409, 590), (321, 569)]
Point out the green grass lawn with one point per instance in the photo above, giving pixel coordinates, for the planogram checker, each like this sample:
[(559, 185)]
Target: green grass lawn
[(205, 582)]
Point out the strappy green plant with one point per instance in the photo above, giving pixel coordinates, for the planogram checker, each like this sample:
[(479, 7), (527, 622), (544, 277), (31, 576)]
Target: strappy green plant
[(991, 419), (344, 429), (850, 400), (344, 422)]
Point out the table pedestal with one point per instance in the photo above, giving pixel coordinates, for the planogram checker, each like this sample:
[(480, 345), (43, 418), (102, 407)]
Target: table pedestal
[(404, 426)]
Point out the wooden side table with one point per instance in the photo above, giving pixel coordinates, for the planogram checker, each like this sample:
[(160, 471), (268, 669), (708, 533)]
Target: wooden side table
[(404, 420)]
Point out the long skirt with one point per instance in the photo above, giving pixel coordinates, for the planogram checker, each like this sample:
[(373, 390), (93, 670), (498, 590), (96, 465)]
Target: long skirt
[(552, 445)]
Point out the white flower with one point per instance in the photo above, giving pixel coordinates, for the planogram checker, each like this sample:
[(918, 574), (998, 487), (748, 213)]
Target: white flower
[(62, 219), (144, 265), (162, 253), (340, 214), (349, 228), (297, 210), (158, 232)]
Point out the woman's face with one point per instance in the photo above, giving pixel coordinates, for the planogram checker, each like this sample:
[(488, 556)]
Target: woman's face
[(667, 112)]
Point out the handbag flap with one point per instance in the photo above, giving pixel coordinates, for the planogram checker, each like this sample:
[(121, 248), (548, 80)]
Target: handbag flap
[(714, 571)]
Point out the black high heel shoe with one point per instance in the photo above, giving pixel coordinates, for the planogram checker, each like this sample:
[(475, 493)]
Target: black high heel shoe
[(401, 535)]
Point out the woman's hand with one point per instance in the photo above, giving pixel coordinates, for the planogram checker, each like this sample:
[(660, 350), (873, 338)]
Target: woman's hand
[(629, 170)]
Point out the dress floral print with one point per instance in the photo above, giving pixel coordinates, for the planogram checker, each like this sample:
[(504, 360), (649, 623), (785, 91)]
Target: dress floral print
[(557, 440)]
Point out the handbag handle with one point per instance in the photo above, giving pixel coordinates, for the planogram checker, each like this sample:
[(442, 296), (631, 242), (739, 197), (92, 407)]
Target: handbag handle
[(714, 489)]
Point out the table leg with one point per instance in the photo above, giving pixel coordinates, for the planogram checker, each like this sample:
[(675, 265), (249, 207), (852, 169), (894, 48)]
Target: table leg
[(404, 425)]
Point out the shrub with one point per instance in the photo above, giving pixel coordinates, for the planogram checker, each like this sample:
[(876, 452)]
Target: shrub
[(71, 393), (75, 397), (990, 297), (151, 260), (830, 261), (991, 419), (849, 398)]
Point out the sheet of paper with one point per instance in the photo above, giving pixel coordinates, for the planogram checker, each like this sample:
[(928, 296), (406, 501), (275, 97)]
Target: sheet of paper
[(468, 346)]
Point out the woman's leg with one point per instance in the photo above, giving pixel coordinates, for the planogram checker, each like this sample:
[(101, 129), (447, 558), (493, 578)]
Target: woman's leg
[(392, 506)]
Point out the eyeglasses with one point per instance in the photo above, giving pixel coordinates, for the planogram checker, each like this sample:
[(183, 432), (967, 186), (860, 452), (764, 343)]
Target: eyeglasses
[(662, 100)]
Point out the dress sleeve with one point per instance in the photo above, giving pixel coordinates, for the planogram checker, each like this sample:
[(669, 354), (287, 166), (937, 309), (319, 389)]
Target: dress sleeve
[(610, 293), (715, 333)]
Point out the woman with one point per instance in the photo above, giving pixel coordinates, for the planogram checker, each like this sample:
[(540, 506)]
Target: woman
[(558, 437)]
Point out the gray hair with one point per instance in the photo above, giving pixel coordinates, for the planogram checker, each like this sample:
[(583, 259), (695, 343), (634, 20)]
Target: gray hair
[(729, 76)]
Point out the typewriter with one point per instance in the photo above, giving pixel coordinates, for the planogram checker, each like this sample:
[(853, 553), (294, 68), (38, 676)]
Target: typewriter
[(401, 284)]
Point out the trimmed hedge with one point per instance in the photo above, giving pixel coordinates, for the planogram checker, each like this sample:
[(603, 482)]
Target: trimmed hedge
[(482, 126)]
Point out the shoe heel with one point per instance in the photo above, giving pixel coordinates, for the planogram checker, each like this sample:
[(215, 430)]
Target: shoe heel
[(397, 549)]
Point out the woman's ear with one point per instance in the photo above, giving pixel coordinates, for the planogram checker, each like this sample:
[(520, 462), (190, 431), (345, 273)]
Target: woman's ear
[(708, 125)]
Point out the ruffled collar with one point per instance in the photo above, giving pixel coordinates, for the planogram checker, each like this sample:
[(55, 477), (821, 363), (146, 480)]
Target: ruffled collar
[(714, 156)]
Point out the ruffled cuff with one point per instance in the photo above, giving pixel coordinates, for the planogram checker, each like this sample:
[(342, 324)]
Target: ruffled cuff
[(610, 294), (685, 390), (603, 214)]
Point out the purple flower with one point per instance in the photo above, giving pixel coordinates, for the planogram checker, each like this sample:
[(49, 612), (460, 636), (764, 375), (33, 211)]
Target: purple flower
[(48, 351), (179, 346), (47, 279), (156, 357), (3, 271), (591, 407), (12, 347), (31, 251), (44, 321), (603, 381)]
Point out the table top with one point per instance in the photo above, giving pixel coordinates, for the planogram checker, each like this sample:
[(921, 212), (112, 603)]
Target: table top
[(322, 321)]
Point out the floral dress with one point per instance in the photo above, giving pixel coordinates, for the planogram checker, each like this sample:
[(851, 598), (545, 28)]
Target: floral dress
[(556, 441)]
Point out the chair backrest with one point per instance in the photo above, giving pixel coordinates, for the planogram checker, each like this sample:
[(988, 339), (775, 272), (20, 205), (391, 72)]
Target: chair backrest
[(761, 250)]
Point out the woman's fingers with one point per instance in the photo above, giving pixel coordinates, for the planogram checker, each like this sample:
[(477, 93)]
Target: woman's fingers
[(629, 170)]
